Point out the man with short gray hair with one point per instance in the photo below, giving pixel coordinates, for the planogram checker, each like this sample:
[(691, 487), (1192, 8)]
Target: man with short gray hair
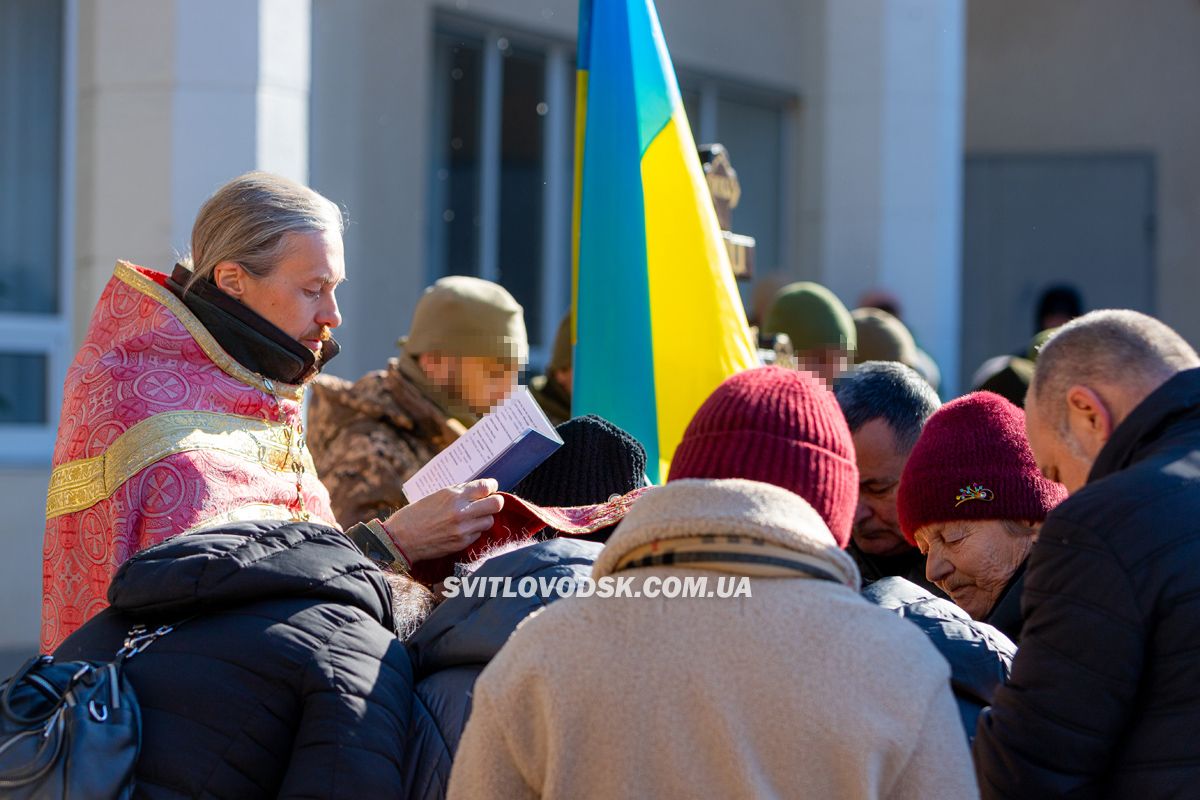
[(1103, 697), (886, 404)]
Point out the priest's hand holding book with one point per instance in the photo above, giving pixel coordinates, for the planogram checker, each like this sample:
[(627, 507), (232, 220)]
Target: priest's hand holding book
[(446, 521), (453, 499)]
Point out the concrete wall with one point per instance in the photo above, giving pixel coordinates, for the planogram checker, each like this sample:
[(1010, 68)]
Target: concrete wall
[(882, 183), (370, 126), (162, 123), (1100, 76), (24, 492)]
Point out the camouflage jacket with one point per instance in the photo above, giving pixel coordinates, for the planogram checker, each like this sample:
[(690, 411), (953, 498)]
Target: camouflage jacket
[(367, 438)]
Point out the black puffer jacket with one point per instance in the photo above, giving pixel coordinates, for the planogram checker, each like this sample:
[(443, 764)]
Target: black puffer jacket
[(290, 682), (459, 639), (1104, 699), (980, 656)]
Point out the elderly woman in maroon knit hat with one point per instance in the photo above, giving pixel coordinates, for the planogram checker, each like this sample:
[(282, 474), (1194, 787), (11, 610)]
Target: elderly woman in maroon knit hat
[(972, 499)]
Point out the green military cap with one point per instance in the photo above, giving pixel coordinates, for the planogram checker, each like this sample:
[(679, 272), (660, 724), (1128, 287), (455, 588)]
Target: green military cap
[(1035, 344), (465, 316), (812, 317)]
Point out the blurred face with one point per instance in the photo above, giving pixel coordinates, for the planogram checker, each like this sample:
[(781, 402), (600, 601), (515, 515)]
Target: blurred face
[(298, 295), (972, 561), (826, 363), (1055, 319), (477, 381), (1059, 454), (565, 378), (876, 527)]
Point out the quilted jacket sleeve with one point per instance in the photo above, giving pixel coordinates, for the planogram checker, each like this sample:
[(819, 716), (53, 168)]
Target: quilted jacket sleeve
[(357, 705), (1053, 728)]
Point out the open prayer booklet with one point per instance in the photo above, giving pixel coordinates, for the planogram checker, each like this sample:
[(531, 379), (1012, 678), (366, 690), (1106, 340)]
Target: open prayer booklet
[(506, 444)]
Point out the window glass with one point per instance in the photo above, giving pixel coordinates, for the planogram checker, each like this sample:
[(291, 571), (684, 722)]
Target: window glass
[(23, 389), (523, 112), (30, 58), (458, 154), (540, 281)]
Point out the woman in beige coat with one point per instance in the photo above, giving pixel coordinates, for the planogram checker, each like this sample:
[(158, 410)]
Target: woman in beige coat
[(794, 686)]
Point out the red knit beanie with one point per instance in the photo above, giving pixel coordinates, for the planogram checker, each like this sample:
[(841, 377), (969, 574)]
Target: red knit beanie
[(973, 462), (777, 426)]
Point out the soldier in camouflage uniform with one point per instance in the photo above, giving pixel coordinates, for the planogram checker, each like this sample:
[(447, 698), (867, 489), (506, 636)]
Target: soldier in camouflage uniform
[(465, 349)]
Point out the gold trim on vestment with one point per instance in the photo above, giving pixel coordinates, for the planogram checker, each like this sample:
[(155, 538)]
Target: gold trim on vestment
[(248, 512), (82, 483), (128, 274)]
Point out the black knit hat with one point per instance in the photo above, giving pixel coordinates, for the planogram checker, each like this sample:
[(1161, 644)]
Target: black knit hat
[(596, 461)]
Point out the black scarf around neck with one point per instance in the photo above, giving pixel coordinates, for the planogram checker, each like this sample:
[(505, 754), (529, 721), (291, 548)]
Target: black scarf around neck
[(255, 343)]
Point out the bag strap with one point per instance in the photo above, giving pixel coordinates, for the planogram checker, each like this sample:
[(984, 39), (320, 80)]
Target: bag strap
[(16, 680), (139, 638)]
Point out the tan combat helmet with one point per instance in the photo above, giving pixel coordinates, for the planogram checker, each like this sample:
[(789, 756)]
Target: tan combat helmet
[(465, 316)]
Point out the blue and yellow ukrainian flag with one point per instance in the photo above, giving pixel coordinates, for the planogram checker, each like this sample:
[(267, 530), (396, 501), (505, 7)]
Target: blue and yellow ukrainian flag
[(659, 323)]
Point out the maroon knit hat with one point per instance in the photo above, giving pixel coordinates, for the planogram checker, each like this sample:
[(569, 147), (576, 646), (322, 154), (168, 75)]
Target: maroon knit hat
[(973, 462), (777, 426)]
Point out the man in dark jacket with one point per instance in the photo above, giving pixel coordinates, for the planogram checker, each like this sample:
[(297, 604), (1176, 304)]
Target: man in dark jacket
[(1103, 699), (886, 404), (459, 639), (284, 676)]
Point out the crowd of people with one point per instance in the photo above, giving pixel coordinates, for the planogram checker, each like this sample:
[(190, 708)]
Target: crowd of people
[(992, 597)]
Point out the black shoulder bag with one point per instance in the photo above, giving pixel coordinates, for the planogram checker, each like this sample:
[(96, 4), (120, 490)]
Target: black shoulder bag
[(72, 729)]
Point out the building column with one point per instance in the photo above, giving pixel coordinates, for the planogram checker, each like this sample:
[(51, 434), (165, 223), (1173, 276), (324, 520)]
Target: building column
[(371, 150), (175, 98), (889, 113)]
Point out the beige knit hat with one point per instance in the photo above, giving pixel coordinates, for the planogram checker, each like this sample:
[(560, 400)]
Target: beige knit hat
[(464, 316)]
